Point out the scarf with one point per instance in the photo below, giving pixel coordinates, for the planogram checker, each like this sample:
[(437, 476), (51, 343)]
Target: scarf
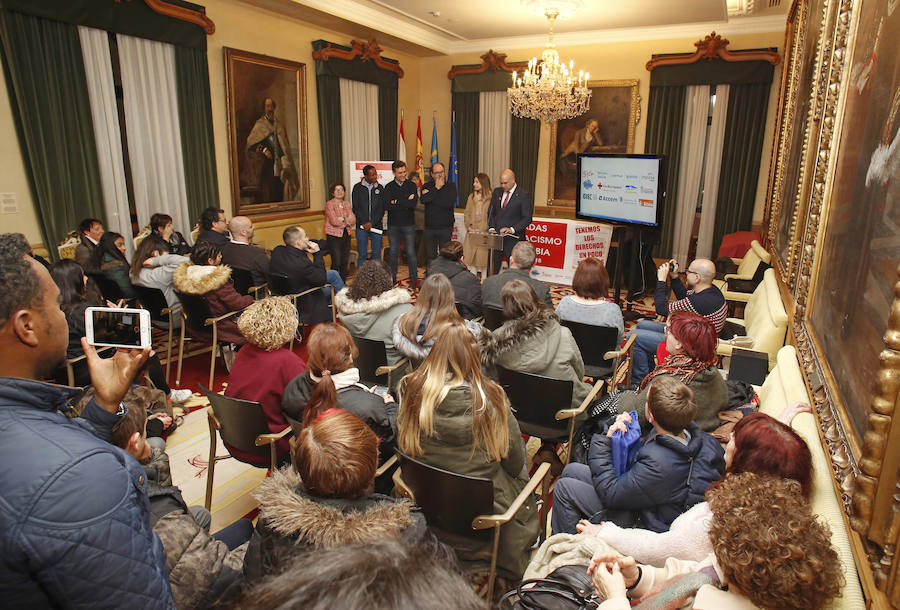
[(677, 365), (341, 380)]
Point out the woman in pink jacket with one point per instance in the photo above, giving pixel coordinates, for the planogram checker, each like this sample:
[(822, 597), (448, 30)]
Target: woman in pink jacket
[(339, 222)]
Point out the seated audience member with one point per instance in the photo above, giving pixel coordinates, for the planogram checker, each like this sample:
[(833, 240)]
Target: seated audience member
[(414, 332), (162, 229), (153, 267), (466, 287), (331, 380), (371, 304), (454, 418), (326, 500), (520, 263), (205, 275), (670, 473), (201, 567), (590, 303), (759, 444), (264, 366), (73, 300), (769, 551), (339, 223), (213, 227), (91, 230), (292, 260), (691, 342), (74, 508), (702, 298), (240, 253), (383, 573), (111, 260)]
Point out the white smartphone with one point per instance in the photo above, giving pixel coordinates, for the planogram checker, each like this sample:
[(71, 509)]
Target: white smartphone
[(114, 327)]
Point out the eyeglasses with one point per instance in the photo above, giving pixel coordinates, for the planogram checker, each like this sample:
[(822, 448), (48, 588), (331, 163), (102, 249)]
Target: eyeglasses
[(691, 271)]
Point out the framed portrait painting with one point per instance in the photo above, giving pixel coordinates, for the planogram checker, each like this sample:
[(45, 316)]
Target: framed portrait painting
[(267, 133), (607, 127)]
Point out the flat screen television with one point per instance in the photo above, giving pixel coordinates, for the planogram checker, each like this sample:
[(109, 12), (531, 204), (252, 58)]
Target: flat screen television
[(621, 189)]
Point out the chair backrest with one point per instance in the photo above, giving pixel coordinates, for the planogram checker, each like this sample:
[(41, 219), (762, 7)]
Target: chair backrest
[(765, 318), (140, 236), (153, 300), (108, 288), (439, 491), (372, 354), (243, 280), (278, 284), (593, 341), (240, 421), (535, 399), (755, 255), (66, 247), (493, 317), (196, 311), (195, 231)]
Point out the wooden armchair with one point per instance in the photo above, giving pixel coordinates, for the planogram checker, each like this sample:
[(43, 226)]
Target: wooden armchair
[(598, 346), (196, 321)]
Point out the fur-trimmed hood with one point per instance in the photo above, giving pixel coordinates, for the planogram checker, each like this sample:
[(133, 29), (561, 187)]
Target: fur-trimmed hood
[(200, 279), (377, 304), (327, 523), (514, 333)]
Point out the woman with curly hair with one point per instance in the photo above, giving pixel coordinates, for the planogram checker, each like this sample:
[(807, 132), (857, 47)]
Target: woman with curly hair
[(369, 306), (265, 365), (769, 550), (760, 444)]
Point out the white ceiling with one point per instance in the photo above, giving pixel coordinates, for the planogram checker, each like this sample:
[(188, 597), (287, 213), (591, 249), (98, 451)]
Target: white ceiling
[(474, 25)]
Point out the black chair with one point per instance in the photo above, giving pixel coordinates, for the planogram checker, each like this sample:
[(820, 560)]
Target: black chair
[(493, 317), (543, 404), (161, 319), (242, 425), (598, 351), (371, 361), (108, 288), (201, 326), (439, 492), (243, 282), (280, 285)]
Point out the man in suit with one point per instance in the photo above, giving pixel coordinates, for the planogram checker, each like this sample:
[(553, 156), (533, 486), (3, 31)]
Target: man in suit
[(240, 253), (521, 261), (91, 231), (509, 215), (368, 207)]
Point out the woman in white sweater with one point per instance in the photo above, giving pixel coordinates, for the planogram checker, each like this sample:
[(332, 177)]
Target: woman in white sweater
[(153, 267), (760, 444)]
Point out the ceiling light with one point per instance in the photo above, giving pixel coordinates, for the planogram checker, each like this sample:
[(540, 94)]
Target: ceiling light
[(564, 8)]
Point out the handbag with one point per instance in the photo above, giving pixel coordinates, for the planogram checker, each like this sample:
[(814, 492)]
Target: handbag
[(566, 588), (600, 415)]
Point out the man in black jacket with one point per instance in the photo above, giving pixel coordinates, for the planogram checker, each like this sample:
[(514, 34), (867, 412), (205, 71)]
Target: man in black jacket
[(400, 199), (292, 261), (240, 253), (367, 199), (213, 226), (509, 215), (439, 199)]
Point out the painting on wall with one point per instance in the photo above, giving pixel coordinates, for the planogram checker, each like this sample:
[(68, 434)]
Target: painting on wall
[(607, 127), (267, 133)]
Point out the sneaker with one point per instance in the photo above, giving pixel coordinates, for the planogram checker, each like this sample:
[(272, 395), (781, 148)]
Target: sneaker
[(180, 395)]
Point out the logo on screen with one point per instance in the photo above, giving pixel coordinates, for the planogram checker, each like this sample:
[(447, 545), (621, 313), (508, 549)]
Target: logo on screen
[(587, 184), (647, 203)]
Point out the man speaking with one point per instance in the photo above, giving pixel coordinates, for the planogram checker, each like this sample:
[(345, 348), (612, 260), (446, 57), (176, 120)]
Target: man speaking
[(509, 215)]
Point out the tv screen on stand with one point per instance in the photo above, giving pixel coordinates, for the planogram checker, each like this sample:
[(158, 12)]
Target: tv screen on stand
[(621, 189)]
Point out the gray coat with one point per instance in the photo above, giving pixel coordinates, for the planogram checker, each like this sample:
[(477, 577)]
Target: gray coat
[(374, 318), (491, 287), (710, 394)]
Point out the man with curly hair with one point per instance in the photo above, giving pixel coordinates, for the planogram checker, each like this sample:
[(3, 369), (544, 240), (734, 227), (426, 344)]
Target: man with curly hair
[(769, 549)]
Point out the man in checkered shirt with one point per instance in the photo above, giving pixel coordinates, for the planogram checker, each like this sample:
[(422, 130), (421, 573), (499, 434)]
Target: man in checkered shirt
[(700, 297)]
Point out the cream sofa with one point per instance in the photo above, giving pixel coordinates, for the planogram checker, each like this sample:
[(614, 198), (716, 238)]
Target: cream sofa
[(765, 319), (784, 386), (746, 266)]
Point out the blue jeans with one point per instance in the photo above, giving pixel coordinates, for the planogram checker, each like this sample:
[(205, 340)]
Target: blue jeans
[(362, 245), (408, 235), (574, 498), (334, 278), (648, 336), (235, 534)]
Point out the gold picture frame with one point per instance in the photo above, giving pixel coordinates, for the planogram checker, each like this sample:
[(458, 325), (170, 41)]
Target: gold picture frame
[(616, 108), (269, 173)]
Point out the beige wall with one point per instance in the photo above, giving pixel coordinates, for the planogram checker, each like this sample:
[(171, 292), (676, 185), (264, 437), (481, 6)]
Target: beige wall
[(620, 60)]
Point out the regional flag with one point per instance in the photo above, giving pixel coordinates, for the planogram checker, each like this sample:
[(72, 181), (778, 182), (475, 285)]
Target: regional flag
[(401, 147), (453, 170), (420, 167), (434, 142)]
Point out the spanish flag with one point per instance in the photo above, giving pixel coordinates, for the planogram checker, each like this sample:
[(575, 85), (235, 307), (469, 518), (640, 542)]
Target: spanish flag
[(401, 146), (420, 166)]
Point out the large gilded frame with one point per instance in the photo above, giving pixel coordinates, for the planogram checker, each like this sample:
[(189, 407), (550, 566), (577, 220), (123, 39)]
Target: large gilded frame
[(858, 430)]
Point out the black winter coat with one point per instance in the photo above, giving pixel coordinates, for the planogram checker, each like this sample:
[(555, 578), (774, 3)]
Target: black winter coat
[(304, 274), (466, 287)]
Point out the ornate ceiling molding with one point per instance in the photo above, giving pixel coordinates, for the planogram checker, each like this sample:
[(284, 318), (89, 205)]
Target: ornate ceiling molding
[(712, 47), (366, 51), (184, 14), (489, 61)]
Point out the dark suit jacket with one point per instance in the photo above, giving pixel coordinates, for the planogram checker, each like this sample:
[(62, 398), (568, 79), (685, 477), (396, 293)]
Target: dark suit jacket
[(214, 236), (249, 257), (517, 214), (491, 287), (359, 199), (303, 274)]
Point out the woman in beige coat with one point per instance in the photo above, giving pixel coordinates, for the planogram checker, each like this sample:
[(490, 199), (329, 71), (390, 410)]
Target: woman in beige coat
[(476, 218)]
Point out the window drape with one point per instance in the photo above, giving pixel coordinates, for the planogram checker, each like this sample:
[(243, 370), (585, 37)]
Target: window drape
[(359, 115), (493, 128), (696, 110), (711, 174), (328, 97), (467, 109), (387, 122), (524, 140)]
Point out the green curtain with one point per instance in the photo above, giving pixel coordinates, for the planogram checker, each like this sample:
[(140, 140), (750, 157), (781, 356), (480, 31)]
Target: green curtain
[(524, 139), (195, 122), (745, 127), (466, 107), (48, 93), (387, 123), (665, 125), (328, 96)]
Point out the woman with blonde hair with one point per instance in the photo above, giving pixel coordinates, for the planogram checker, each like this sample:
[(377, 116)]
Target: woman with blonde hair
[(265, 365), (454, 418), (476, 219), (415, 331)]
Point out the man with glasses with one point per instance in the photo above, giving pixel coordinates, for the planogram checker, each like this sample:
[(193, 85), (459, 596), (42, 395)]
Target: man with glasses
[(439, 199), (700, 297), (213, 226)]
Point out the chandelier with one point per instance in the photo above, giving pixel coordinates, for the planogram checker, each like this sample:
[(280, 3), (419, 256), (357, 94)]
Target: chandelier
[(549, 90)]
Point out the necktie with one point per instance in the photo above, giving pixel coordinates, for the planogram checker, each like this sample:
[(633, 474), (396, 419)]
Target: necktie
[(505, 200)]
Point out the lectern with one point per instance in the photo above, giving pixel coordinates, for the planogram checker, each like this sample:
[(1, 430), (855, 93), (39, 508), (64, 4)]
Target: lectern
[(492, 241)]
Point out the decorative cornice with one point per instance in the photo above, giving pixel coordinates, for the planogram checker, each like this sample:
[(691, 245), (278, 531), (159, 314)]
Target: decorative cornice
[(184, 14), (366, 51), (712, 47), (489, 61)]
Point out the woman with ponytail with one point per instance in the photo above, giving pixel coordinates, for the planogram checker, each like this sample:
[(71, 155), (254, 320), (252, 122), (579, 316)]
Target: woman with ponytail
[(332, 381)]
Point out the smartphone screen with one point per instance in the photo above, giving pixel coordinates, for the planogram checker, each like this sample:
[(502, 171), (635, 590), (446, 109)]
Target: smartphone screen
[(116, 327)]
